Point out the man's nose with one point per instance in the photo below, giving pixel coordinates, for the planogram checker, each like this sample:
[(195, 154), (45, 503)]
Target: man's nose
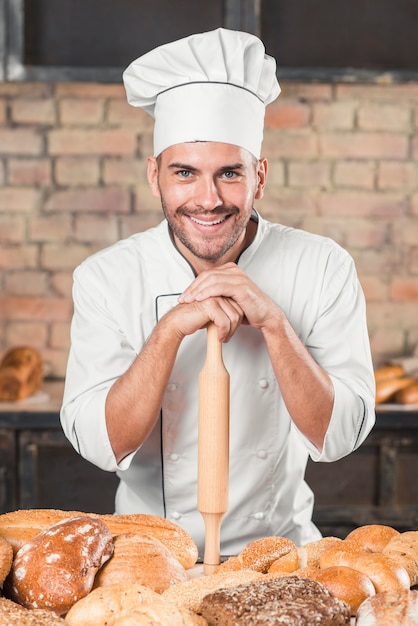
[(207, 194)]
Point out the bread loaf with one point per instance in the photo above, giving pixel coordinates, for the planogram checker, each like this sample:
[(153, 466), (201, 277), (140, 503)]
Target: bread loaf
[(12, 614), (141, 559), (21, 373), (157, 614), (310, 553), (58, 566), (384, 571), (389, 608), (386, 372), (374, 537), (404, 548), (407, 395), (386, 389), (18, 527)]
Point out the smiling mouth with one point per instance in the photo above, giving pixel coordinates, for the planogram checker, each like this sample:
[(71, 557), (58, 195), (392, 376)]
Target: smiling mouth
[(206, 223)]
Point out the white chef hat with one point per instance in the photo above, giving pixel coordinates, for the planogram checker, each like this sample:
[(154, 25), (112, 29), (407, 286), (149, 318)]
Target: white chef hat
[(211, 86)]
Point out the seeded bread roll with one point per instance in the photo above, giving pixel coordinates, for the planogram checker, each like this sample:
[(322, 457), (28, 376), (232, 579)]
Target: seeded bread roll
[(6, 558), (141, 559), (58, 566), (18, 527), (12, 614), (291, 600), (389, 608)]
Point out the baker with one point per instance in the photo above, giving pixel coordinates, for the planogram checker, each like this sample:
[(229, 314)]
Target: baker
[(287, 305)]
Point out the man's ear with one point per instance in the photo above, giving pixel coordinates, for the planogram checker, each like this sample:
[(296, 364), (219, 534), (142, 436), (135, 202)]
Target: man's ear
[(262, 169), (152, 175)]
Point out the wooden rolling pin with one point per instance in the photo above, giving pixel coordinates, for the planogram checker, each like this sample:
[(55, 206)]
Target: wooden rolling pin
[(213, 447)]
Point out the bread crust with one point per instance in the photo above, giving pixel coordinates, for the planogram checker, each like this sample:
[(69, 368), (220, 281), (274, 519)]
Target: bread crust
[(389, 608), (374, 537), (12, 614), (21, 373), (19, 527), (6, 558), (346, 583)]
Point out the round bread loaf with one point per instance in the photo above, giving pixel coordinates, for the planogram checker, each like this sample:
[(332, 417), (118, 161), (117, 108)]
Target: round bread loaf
[(21, 373), (374, 537), (346, 583), (12, 614), (344, 553), (141, 559), (58, 566), (286, 564), (6, 558), (389, 608), (19, 527), (384, 571), (404, 548), (310, 553)]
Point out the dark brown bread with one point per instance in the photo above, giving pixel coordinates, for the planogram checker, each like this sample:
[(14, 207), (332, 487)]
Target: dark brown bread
[(58, 566), (290, 600)]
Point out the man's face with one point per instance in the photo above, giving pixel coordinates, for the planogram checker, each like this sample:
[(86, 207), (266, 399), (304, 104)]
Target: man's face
[(207, 191)]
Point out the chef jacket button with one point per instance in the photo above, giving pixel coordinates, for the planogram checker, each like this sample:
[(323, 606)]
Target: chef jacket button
[(171, 387), (259, 515), (262, 454), (263, 383), (174, 457), (176, 515)]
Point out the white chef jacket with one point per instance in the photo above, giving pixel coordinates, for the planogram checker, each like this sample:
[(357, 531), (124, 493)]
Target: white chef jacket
[(119, 295)]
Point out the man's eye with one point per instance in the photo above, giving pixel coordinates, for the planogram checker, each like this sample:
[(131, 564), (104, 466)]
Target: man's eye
[(230, 174), (184, 173)]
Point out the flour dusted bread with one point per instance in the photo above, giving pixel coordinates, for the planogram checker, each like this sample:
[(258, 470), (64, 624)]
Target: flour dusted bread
[(12, 614), (21, 526), (141, 559), (404, 549), (373, 537), (389, 608), (6, 558), (129, 604), (21, 373), (58, 566)]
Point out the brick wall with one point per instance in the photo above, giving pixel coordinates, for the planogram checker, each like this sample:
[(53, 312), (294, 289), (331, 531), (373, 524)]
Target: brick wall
[(343, 162)]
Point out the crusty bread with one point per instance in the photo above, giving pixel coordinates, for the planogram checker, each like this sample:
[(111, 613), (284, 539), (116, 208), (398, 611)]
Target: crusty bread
[(58, 566), (12, 614), (21, 373), (310, 553), (404, 548), (261, 553), (386, 372), (407, 395), (344, 553), (389, 608), (345, 583), (157, 614), (6, 558), (386, 389), (141, 559), (374, 537), (191, 593), (21, 526)]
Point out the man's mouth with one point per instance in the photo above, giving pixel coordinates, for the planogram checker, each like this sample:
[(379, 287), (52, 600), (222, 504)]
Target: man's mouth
[(208, 223)]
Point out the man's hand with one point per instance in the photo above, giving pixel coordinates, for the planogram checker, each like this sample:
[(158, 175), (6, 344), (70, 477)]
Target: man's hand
[(187, 318)]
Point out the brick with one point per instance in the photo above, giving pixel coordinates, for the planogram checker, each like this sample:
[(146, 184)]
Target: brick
[(34, 309), (18, 199), (60, 335), (306, 91), (364, 233), (385, 117), (413, 260), (384, 262), (335, 228), (145, 144), (404, 288), (93, 228), (29, 172), (3, 112), (62, 283), (12, 229), (131, 224), (2, 173), (356, 174), (89, 90), (34, 334), (81, 111), (290, 204), (414, 204), (75, 141), (364, 145), (121, 113), (26, 89), (18, 257), (276, 172), (124, 171), (50, 228), (56, 362), (388, 342), (27, 283), (100, 200), (375, 289), (64, 257), (397, 175), (287, 114), (301, 144), (144, 201), (334, 115), (20, 141), (414, 148), (363, 204), (31, 111), (312, 174), (400, 92), (75, 171), (404, 232)]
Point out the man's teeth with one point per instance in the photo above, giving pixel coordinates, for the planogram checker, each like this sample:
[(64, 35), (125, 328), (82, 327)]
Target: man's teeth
[(205, 223)]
